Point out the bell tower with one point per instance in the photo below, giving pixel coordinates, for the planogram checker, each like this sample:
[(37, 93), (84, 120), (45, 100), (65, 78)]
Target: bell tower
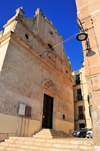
[(88, 11)]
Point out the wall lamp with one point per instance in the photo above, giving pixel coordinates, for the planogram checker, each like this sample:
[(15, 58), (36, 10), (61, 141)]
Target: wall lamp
[(82, 35)]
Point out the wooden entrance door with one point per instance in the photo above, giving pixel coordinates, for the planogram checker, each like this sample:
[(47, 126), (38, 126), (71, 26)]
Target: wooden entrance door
[(47, 112)]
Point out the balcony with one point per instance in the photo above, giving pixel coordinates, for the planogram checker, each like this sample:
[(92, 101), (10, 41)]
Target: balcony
[(79, 98), (78, 81), (81, 117)]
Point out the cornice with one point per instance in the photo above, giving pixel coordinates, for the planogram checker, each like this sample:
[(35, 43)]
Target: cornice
[(1, 32), (4, 44), (97, 12), (89, 17), (10, 21), (86, 19), (5, 36)]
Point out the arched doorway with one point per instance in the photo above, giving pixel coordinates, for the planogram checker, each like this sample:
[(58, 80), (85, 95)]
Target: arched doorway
[(50, 92), (47, 112)]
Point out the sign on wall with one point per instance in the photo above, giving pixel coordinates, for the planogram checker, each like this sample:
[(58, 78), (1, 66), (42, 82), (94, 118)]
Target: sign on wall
[(22, 108)]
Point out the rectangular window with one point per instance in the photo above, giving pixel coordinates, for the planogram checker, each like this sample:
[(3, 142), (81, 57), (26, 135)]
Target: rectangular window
[(82, 125), (81, 115), (78, 79), (79, 95)]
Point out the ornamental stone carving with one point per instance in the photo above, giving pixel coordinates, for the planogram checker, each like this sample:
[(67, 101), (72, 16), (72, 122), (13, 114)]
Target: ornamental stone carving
[(50, 85), (51, 56)]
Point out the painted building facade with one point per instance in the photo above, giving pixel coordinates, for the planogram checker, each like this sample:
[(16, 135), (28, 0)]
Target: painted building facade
[(88, 12), (36, 74), (82, 114)]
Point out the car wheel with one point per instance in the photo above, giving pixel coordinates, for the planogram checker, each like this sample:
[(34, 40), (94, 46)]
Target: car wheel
[(81, 136), (87, 137), (84, 135)]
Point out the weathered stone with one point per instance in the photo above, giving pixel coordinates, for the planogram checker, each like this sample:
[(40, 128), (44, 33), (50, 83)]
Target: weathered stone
[(27, 73)]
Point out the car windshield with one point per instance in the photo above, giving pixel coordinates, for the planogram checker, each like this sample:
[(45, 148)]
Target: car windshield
[(81, 129), (78, 130)]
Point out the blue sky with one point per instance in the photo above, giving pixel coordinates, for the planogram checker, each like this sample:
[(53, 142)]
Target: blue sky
[(63, 15)]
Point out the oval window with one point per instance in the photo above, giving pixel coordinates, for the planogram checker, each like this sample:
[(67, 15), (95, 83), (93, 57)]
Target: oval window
[(26, 36)]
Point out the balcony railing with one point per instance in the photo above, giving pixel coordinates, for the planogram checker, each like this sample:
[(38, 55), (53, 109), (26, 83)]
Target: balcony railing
[(81, 117), (79, 98), (78, 81)]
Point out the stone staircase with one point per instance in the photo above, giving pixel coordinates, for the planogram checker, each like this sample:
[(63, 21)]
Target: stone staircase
[(47, 140), (46, 144), (51, 133)]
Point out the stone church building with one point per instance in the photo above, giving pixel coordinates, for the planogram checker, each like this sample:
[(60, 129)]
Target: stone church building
[(36, 86)]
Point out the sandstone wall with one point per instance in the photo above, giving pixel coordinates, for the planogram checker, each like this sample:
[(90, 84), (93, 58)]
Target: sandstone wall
[(24, 81)]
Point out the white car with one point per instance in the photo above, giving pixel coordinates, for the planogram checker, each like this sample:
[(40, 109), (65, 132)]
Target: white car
[(89, 134)]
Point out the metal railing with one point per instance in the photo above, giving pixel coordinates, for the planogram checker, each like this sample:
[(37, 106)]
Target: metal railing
[(81, 117), (79, 98), (78, 81)]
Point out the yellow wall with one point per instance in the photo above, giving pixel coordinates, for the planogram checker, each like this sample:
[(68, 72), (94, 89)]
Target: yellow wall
[(8, 124), (84, 91), (64, 126)]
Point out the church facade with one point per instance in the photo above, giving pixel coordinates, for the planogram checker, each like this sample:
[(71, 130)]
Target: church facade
[(36, 85)]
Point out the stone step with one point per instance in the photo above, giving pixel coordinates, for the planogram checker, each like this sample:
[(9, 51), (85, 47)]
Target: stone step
[(18, 149), (41, 136), (37, 148), (30, 145), (51, 132), (43, 142), (2, 148), (48, 144), (75, 141)]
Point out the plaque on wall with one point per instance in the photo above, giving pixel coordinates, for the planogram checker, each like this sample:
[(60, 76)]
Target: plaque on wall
[(28, 111), (22, 108)]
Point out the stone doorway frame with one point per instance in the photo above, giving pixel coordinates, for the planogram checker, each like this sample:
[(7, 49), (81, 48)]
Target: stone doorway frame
[(50, 89), (52, 109)]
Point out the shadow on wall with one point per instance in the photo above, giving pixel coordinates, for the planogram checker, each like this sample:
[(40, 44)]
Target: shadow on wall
[(90, 53)]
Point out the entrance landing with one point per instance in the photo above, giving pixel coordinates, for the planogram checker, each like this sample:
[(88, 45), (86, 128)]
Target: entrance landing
[(51, 133)]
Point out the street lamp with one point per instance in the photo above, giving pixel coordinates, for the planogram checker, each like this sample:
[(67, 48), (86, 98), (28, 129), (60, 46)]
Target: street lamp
[(82, 35)]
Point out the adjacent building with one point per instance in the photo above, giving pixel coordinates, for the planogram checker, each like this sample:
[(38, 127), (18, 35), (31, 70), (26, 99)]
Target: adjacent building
[(36, 85), (82, 113), (88, 12)]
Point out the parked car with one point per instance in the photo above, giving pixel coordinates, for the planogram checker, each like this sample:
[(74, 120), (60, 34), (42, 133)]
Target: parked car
[(80, 132), (89, 133)]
